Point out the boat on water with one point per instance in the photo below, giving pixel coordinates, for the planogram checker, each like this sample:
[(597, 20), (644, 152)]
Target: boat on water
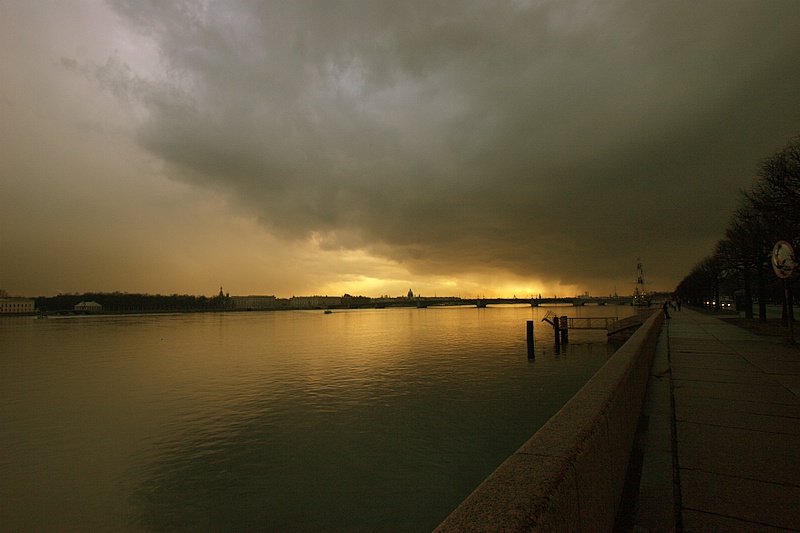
[(328, 311)]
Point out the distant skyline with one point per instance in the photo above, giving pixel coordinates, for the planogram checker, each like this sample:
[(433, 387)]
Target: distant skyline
[(407, 296), (372, 147)]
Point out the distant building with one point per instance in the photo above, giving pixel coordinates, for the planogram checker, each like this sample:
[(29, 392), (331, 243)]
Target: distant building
[(13, 306), (88, 307), (356, 301), (314, 302), (253, 302)]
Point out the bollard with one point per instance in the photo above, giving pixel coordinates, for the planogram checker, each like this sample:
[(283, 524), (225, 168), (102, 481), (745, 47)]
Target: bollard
[(531, 354), (564, 327)]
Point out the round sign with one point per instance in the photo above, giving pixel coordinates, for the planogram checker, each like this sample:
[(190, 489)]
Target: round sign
[(783, 259)]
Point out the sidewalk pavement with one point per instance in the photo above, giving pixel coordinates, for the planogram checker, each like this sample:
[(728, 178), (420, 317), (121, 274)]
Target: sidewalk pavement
[(719, 439)]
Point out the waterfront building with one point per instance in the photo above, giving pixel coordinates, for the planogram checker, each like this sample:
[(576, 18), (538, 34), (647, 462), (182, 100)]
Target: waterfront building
[(253, 302), (88, 307), (314, 302), (13, 306)]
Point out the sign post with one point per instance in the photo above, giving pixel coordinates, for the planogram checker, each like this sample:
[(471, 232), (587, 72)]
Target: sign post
[(783, 264)]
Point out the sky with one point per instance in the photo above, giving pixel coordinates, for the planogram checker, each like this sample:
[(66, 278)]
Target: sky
[(503, 148)]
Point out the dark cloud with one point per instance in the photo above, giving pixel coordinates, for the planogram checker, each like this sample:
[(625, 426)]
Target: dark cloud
[(554, 140)]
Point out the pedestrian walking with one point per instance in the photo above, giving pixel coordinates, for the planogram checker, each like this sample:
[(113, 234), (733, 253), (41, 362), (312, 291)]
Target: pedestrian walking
[(666, 309)]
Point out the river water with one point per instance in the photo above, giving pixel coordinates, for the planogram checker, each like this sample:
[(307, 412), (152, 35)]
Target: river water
[(362, 420)]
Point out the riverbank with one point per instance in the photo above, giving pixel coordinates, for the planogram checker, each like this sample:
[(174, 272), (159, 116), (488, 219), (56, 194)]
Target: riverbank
[(569, 476), (715, 445)]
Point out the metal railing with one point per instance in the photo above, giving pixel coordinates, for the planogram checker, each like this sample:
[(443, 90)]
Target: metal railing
[(596, 322)]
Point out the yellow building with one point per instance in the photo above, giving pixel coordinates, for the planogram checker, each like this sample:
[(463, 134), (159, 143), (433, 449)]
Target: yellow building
[(15, 306)]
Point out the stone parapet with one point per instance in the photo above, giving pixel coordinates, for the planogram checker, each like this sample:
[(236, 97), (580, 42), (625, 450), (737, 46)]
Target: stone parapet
[(570, 475)]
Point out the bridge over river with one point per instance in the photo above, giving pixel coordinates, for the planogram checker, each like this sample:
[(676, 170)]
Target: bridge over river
[(533, 302)]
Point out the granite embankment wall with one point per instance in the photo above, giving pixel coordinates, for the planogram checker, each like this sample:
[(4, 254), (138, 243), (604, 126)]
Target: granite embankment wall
[(570, 475)]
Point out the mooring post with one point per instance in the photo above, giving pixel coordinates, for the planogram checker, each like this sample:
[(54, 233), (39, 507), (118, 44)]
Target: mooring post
[(531, 354), (556, 328), (564, 327)]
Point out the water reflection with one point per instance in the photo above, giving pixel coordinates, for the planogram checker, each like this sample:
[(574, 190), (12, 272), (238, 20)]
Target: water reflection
[(352, 421)]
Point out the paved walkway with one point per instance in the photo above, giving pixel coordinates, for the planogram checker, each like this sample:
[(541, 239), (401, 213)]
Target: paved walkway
[(719, 443)]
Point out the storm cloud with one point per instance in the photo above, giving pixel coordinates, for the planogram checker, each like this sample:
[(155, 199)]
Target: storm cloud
[(547, 140)]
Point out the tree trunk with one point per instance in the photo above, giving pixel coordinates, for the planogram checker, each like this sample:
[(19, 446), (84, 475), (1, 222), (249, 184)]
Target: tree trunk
[(748, 295), (762, 296)]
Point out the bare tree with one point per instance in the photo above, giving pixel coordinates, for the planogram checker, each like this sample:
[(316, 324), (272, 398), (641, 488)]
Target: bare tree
[(769, 211)]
